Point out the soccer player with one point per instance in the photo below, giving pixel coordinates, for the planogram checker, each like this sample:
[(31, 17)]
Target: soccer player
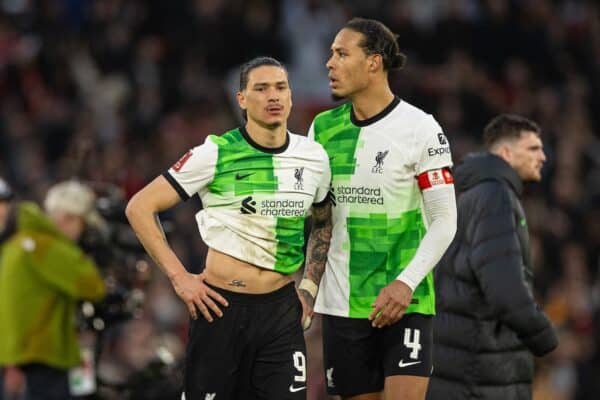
[(257, 184), (394, 216)]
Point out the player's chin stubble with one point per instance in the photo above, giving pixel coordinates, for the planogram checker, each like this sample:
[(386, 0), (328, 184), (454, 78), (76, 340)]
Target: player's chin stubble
[(274, 125)]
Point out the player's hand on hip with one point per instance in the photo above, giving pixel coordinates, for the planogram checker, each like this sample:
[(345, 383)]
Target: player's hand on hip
[(390, 305), (198, 296), (308, 303)]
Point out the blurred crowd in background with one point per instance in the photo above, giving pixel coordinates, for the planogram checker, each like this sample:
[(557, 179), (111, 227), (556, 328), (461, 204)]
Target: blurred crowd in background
[(114, 91)]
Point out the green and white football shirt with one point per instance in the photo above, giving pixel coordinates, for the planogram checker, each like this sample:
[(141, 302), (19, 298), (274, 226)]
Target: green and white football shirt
[(255, 199), (378, 220)]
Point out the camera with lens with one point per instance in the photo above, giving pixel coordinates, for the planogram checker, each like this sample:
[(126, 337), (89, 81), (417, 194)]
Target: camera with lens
[(116, 250), (121, 258)]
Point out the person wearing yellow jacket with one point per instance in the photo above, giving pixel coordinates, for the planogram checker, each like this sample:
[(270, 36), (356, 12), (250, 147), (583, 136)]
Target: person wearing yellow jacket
[(43, 274)]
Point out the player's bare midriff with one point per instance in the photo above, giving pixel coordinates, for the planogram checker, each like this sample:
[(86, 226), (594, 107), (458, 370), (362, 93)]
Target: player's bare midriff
[(229, 273)]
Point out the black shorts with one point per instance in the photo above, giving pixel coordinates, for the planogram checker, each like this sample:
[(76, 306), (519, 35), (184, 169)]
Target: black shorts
[(255, 351), (358, 357)]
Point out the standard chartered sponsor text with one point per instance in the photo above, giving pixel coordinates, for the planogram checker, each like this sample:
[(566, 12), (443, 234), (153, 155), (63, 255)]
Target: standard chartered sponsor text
[(282, 208), (359, 195)]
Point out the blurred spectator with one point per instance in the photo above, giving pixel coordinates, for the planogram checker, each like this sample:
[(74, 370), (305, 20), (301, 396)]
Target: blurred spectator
[(6, 195), (309, 27), (43, 273)]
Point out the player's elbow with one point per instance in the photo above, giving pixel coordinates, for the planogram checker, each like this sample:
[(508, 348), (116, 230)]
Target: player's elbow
[(135, 208), (445, 230), (130, 209), (447, 236), (450, 223), (440, 208), (451, 228)]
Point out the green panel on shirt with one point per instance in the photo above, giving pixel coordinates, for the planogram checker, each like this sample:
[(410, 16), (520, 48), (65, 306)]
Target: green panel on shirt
[(334, 130), (241, 169), (380, 248), (289, 233)]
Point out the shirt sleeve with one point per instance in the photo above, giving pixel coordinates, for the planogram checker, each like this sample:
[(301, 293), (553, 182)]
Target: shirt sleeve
[(440, 211), (194, 170), (311, 131), (434, 147), (324, 187)]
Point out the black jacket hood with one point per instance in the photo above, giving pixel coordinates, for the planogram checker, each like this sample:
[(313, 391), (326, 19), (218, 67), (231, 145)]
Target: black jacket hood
[(479, 167)]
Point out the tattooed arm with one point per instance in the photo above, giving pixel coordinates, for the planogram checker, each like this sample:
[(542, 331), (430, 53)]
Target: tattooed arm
[(316, 257), (142, 213)]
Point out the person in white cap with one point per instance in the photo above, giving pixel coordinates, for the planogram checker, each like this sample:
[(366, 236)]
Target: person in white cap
[(43, 274)]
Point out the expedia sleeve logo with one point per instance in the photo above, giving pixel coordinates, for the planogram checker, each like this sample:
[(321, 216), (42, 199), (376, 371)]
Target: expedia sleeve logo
[(442, 138), (439, 151), (432, 151)]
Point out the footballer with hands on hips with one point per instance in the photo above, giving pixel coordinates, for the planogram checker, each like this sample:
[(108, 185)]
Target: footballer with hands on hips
[(394, 216), (257, 183)]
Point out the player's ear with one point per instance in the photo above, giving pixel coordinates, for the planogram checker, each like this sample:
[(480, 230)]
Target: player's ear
[(241, 100), (375, 62), (504, 150)]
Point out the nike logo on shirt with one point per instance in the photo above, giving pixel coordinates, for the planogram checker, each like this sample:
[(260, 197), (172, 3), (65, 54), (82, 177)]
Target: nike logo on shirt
[(239, 176)]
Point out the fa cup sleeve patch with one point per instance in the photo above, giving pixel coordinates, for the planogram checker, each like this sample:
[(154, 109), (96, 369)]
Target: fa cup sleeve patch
[(435, 177), (181, 162)]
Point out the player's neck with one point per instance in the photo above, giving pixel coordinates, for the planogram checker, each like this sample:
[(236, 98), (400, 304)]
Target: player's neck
[(269, 137), (371, 101)]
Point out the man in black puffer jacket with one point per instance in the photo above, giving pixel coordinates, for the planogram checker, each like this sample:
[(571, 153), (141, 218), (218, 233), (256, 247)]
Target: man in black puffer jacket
[(488, 326)]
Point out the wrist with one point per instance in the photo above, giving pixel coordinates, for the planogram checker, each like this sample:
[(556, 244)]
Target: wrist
[(174, 276), (309, 286), (404, 278)]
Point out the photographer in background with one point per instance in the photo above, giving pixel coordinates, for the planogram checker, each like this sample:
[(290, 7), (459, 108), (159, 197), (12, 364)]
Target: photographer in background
[(6, 197), (43, 274)]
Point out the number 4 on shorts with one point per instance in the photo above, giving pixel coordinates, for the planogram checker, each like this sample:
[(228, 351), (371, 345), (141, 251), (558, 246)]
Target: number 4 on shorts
[(413, 342)]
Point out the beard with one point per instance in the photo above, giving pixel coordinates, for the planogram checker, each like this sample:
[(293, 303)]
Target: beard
[(336, 97), (270, 126), (274, 125)]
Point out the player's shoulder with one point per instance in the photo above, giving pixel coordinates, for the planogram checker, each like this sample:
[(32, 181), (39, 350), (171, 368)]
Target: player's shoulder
[(307, 145), (332, 116), (415, 115), (228, 137), (424, 126)]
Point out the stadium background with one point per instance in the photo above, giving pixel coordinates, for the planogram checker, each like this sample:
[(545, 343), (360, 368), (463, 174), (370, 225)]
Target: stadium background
[(114, 91)]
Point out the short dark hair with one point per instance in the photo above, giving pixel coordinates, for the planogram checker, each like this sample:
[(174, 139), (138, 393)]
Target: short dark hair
[(507, 126), (255, 63), (378, 39)]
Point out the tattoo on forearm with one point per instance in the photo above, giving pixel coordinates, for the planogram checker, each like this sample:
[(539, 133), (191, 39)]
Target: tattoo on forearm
[(318, 243), (307, 297), (237, 283)]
